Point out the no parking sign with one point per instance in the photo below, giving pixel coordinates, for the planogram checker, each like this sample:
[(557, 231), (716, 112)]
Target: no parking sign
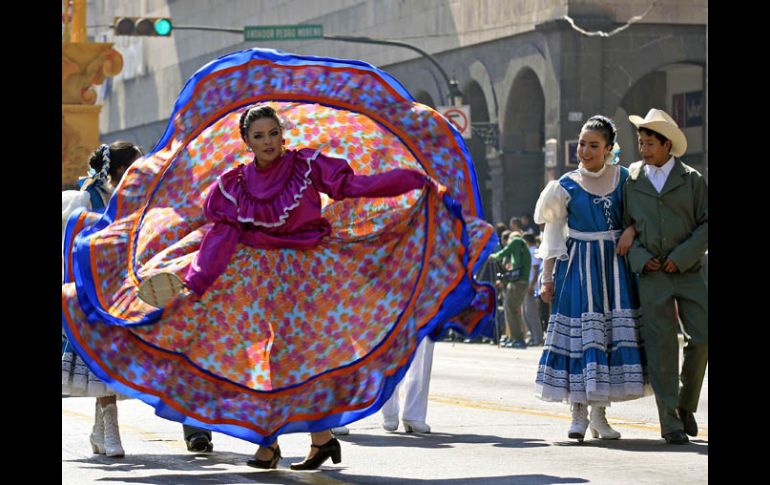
[(459, 116)]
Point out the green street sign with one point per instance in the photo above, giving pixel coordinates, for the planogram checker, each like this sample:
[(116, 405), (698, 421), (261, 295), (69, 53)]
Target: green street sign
[(283, 32)]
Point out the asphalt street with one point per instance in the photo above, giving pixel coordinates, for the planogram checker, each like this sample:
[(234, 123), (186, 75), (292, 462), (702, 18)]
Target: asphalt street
[(487, 428)]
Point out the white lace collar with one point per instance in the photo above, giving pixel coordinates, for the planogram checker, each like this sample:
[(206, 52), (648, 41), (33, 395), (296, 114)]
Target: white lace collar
[(594, 175), (598, 183)]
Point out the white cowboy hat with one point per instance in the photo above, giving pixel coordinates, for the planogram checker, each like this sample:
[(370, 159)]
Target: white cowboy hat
[(659, 121)]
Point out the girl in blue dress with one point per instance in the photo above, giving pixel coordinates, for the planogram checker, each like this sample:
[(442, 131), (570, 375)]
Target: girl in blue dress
[(592, 353), (107, 165)]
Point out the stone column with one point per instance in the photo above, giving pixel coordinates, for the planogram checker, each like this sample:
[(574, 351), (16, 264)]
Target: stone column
[(496, 180), (83, 64)]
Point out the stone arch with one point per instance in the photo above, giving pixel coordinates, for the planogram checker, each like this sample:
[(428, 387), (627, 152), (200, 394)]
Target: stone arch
[(649, 50), (522, 140), (643, 75), (677, 88), (427, 84), (479, 74)]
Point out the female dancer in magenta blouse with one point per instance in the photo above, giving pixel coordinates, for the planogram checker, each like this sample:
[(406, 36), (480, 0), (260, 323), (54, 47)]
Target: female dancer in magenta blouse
[(314, 271)]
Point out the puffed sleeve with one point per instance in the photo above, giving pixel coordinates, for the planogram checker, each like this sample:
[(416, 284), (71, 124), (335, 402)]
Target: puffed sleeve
[(336, 178), (219, 243), (70, 201), (551, 209)]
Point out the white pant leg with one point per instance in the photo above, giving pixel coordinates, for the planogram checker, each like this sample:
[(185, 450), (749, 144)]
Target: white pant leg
[(418, 383), (390, 408)]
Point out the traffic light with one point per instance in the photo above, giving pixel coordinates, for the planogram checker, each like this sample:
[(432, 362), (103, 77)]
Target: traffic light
[(144, 26)]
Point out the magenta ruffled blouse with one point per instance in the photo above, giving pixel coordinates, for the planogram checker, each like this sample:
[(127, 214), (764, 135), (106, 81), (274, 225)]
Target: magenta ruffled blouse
[(280, 207)]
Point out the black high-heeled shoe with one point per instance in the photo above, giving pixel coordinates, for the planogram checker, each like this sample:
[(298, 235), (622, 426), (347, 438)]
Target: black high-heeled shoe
[(267, 464), (330, 449)]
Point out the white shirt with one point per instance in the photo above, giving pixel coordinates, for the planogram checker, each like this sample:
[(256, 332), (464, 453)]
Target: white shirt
[(658, 175)]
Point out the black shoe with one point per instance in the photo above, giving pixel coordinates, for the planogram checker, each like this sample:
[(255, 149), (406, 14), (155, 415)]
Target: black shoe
[(688, 420), (677, 437), (267, 464), (329, 449), (199, 443)]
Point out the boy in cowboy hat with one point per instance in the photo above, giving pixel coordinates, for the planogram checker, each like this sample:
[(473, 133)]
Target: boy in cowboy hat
[(668, 203)]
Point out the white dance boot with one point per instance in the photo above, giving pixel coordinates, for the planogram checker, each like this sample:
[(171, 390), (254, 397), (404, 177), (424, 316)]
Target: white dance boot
[(112, 445), (600, 428), (390, 423), (415, 426), (577, 429), (97, 434)]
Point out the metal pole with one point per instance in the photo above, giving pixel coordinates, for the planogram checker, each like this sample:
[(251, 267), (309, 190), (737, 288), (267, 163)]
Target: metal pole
[(451, 84), (211, 29), (454, 92)]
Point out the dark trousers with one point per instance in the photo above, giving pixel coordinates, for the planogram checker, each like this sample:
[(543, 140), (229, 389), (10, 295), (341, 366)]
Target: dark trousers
[(659, 292), (191, 430)]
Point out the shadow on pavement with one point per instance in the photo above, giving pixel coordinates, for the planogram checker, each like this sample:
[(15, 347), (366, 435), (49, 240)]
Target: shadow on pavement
[(657, 445), (438, 440), (331, 477), (190, 461), (503, 480), (200, 466)]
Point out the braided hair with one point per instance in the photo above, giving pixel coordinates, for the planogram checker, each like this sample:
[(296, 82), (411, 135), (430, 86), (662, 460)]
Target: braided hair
[(107, 161)]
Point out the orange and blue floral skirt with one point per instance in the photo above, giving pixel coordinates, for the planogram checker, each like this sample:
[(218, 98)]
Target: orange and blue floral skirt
[(284, 340)]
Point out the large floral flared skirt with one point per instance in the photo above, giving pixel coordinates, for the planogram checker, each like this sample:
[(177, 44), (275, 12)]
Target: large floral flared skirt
[(593, 351), (284, 340)]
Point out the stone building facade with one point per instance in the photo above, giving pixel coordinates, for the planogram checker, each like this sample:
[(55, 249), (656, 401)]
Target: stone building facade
[(530, 76)]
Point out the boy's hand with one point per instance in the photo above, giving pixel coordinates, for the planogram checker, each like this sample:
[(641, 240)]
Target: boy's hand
[(670, 267), (652, 265)]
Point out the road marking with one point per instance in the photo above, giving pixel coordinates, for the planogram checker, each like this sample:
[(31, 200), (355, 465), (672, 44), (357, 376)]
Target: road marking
[(470, 403)]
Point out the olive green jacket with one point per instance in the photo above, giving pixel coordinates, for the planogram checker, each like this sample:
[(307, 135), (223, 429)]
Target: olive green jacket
[(670, 225)]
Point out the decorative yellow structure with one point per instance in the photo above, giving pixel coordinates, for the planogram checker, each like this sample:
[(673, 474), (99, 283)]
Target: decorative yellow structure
[(83, 65)]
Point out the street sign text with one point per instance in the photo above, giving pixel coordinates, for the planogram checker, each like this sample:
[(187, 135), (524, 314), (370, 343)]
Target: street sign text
[(283, 32)]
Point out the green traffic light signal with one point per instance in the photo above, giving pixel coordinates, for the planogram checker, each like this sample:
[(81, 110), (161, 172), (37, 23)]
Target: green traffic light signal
[(163, 27), (143, 26)]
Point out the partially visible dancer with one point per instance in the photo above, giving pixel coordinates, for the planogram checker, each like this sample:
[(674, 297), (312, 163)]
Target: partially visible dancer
[(107, 165), (416, 385)]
